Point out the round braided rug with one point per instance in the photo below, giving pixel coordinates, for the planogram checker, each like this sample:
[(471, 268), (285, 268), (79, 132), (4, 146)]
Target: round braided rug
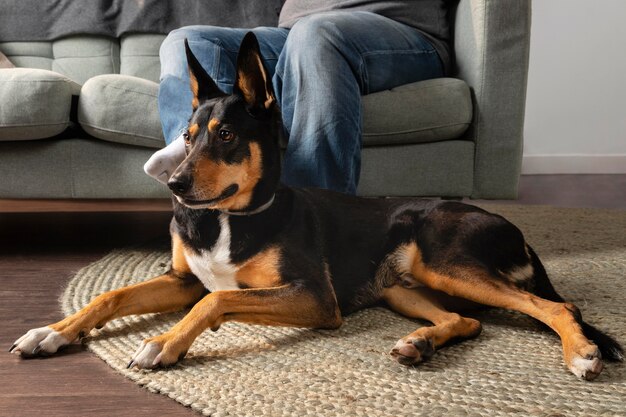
[(513, 367)]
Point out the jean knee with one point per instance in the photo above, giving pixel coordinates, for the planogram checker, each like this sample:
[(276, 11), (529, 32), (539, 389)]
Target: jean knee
[(325, 28), (172, 51), (331, 40), (175, 39)]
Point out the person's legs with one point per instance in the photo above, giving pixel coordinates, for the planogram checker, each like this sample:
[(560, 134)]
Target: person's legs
[(328, 62), (216, 49)]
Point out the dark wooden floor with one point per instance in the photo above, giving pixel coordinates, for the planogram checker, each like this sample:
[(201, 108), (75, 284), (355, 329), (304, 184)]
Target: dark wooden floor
[(39, 252)]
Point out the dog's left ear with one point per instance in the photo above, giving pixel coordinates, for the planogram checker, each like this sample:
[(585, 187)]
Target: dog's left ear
[(253, 82)]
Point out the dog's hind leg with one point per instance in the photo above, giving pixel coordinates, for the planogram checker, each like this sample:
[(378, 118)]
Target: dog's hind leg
[(476, 284), (423, 303)]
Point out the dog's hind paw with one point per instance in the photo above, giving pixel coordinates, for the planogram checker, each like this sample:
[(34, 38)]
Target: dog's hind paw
[(582, 357), (588, 366), (40, 341), (413, 350)]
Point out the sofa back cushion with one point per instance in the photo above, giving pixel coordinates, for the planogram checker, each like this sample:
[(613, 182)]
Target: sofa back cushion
[(139, 55), (82, 57)]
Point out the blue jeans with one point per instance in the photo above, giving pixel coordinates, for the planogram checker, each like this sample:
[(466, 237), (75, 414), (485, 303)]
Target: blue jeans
[(320, 68)]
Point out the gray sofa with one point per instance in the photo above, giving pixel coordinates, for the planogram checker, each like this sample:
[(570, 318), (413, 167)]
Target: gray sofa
[(78, 117)]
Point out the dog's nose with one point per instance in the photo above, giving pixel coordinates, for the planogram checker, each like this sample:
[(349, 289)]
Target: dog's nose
[(179, 185)]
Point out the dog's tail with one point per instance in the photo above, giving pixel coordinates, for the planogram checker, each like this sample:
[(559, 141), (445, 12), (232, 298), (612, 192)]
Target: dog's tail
[(609, 347)]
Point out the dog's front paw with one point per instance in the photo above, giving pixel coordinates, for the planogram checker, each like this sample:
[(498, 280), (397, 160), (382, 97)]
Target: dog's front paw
[(157, 351), (40, 341), (413, 350)]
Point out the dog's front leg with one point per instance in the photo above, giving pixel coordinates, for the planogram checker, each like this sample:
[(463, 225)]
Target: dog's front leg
[(169, 292), (287, 305)]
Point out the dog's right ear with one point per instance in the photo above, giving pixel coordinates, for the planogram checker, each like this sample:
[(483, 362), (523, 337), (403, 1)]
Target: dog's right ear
[(202, 85)]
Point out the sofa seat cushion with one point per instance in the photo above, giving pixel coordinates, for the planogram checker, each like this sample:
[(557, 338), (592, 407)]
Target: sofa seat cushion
[(34, 103), (426, 111), (121, 108)]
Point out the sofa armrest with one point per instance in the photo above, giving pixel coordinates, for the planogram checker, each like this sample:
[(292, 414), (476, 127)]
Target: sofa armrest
[(492, 42)]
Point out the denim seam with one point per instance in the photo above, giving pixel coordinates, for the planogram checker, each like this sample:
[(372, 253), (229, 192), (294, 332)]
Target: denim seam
[(217, 58), (364, 75), (220, 45), (353, 176)]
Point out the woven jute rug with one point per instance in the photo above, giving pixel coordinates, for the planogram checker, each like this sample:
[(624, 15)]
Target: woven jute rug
[(513, 368)]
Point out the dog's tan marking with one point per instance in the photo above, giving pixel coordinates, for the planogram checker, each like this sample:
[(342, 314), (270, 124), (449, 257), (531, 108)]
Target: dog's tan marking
[(423, 303), (194, 129), (261, 271), (211, 178), (161, 294), (250, 86), (245, 85), (193, 81), (420, 303), (179, 261), (213, 124), (477, 285)]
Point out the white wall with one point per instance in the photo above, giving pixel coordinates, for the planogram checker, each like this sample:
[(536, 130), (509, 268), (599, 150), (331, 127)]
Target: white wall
[(576, 103)]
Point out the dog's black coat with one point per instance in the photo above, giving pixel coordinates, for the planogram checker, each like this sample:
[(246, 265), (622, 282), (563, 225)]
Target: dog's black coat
[(353, 235), (348, 240)]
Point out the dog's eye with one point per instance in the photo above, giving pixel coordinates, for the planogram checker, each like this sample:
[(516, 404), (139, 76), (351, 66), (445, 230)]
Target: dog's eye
[(226, 135), (186, 138)]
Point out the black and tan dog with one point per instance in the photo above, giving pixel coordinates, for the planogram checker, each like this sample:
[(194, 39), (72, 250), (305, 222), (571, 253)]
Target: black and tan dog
[(302, 257)]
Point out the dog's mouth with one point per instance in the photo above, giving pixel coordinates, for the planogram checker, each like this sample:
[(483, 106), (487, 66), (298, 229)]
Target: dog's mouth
[(198, 204)]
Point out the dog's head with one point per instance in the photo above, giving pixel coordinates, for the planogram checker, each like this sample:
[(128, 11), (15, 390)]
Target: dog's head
[(232, 141)]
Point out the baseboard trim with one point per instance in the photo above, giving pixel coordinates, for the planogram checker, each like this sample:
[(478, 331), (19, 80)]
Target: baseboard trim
[(574, 164)]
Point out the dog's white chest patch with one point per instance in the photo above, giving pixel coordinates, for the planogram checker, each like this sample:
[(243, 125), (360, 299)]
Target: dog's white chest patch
[(213, 267)]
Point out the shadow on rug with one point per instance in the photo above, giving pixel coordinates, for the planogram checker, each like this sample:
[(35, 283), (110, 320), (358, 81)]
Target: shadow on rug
[(513, 367)]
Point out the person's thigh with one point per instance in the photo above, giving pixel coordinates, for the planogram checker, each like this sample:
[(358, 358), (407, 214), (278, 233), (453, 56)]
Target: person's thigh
[(381, 52), (216, 49), (329, 61), (390, 53)]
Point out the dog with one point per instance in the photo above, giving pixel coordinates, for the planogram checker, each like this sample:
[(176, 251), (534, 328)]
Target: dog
[(247, 249)]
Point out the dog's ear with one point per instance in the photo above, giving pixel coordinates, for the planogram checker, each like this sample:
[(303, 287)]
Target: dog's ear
[(253, 82), (202, 85)]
